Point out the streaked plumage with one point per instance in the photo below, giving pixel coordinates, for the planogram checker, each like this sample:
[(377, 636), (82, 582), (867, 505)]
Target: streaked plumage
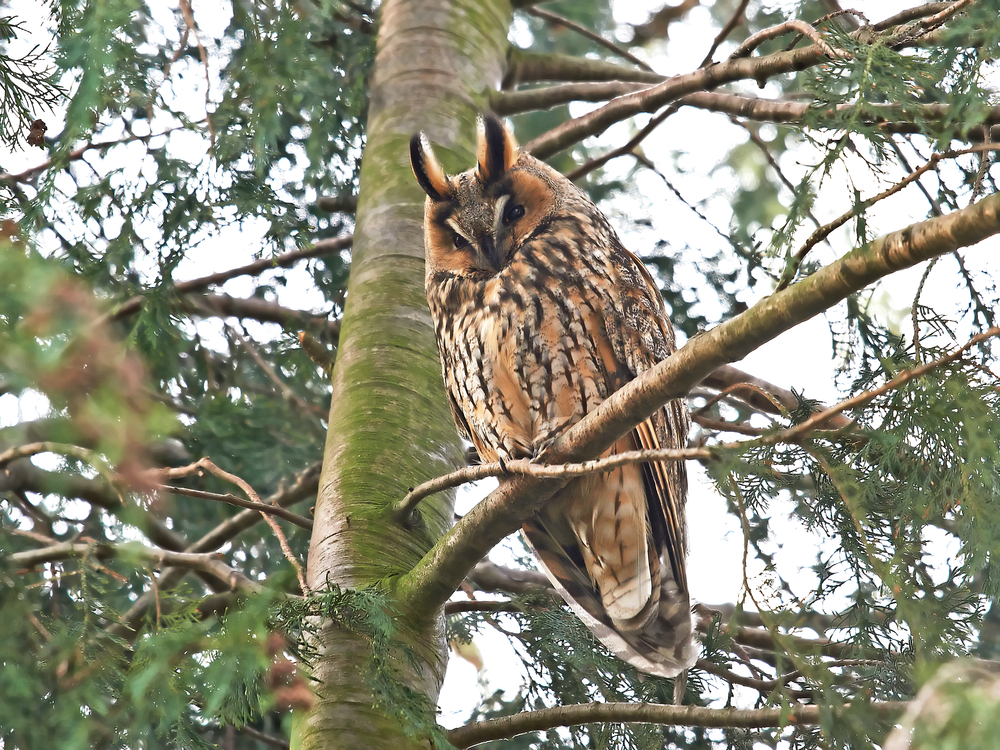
[(540, 314)]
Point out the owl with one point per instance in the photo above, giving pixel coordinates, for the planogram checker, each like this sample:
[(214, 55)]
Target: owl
[(540, 314)]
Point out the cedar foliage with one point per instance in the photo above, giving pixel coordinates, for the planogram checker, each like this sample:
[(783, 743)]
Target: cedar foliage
[(201, 138)]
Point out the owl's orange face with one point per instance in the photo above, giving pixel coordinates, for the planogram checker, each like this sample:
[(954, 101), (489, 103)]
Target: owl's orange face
[(475, 222)]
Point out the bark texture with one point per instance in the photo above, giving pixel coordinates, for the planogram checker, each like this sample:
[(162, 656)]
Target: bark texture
[(390, 427)]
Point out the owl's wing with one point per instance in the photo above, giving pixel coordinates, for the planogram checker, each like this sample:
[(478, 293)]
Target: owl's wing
[(641, 336)]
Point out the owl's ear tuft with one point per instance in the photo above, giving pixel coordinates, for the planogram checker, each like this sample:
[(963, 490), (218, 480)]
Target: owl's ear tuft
[(428, 171), (496, 149)]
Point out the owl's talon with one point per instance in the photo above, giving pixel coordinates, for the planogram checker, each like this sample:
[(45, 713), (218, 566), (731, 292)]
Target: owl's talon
[(503, 466)]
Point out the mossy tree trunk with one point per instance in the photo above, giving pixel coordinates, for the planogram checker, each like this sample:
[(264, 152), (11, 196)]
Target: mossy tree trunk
[(390, 427)]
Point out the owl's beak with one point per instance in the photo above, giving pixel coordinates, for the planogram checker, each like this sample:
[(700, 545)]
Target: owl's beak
[(492, 253)]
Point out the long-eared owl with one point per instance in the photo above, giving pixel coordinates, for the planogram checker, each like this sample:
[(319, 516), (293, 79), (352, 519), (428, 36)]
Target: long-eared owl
[(540, 314)]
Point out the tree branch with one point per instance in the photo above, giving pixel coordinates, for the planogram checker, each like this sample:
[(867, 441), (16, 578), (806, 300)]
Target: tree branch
[(759, 69), (208, 563), (546, 97), (892, 118), (300, 521), (556, 20), (647, 713), (424, 589), (526, 67), (338, 204), (264, 311), (322, 247), (524, 467)]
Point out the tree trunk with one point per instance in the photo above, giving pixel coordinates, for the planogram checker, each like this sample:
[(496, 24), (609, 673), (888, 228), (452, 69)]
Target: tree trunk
[(390, 427)]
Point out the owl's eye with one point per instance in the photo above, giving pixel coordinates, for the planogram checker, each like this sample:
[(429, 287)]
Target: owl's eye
[(512, 214), (460, 241)]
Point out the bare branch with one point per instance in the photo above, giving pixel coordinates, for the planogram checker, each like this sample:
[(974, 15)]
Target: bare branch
[(208, 563), (600, 161), (265, 311), (759, 69), (206, 464), (425, 588), (891, 118), (490, 577), (911, 14), (305, 485), (300, 521), (322, 247), (652, 99), (556, 19), (524, 467), (805, 29), (726, 30), (338, 204), (546, 97), (526, 67), (457, 608), (647, 713)]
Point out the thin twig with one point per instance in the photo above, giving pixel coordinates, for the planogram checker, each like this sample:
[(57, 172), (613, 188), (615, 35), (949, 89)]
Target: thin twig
[(584, 31), (600, 161), (915, 309), (78, 153), (799, 430), (303, 406), (754, 41), (734, 388), (274, 510), (911, 14), (670, 186), (824, 231), (252, 494), (721, 426), (760, 144), (728, 29)]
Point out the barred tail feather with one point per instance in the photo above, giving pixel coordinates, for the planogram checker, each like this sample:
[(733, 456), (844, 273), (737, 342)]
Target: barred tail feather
[(663, 646)]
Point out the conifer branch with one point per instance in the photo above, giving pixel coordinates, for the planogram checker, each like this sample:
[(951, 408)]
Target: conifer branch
[(648, 713), (758, 69), (803, 429), (425, 588), (78, 153)]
